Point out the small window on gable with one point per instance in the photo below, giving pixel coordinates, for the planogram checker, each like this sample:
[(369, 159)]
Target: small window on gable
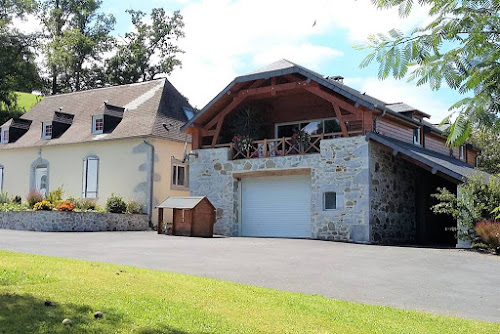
[(5, 135), (179, 175), (97, 124), (47, 130), (329, 200), (416, 136)]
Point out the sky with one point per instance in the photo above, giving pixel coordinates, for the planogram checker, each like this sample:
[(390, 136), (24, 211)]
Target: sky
[(225, 39)]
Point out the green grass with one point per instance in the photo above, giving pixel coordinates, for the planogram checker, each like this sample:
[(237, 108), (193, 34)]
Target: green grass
[(148, 301), (27, 101)]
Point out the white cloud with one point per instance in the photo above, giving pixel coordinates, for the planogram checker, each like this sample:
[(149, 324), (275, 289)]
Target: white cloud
[(226, 38), (391, 91)]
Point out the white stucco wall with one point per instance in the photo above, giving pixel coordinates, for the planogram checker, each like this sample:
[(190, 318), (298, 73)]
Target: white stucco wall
[(124, 168)]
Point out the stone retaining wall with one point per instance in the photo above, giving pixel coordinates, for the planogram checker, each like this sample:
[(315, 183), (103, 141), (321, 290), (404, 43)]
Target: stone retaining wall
[(342, 167), (57, 221)]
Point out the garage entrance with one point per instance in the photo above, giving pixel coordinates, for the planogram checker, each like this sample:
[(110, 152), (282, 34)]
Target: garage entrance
[(277, 206)]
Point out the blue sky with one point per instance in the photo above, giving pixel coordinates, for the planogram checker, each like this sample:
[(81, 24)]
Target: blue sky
[(226, 38)]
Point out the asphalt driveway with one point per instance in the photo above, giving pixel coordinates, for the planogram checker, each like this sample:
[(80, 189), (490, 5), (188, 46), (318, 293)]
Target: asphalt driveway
[(442, 281)]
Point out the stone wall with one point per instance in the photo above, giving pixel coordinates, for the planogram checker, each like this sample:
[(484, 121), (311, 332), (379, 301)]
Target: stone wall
[(342, 166), (392, 197), (56, 221)]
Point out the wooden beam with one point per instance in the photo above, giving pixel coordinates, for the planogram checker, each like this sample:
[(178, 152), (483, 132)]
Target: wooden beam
[(292, 78), (236, 100), (273, 84), (329, 97), (340, 117), (257, 83), (217, 132), (272, 172)]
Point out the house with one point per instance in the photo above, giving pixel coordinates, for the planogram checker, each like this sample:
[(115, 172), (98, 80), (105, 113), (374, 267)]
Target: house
[(124, 140), (321, 160)]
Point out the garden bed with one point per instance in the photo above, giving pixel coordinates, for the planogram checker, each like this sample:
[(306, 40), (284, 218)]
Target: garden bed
[(63, 221)]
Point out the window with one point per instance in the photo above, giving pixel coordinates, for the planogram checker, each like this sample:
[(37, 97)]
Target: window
[(5, 135), (1, 177), (312, 127), (97, 124), (179, 175), (329, 201), (189, 113), (90, 173), (416, 136), (47, 130), (462, 152)]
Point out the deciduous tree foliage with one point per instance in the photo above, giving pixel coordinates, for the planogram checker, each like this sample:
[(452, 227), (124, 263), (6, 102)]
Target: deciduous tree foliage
[(149, 50), (489, 142), (460, 47)]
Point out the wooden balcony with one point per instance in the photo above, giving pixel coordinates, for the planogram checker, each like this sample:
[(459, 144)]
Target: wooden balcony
[(280, 147)]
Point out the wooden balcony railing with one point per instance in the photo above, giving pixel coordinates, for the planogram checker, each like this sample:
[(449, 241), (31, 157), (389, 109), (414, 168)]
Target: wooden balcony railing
[(281, 146)]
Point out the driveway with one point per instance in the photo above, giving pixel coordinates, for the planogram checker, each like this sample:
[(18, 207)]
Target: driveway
[(442, 281)]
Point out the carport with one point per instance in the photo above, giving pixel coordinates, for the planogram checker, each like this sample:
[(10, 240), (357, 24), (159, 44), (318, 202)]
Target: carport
[(432, 170)]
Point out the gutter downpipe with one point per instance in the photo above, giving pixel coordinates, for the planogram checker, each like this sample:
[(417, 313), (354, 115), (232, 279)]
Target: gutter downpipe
[(151, 180), (384, 111)]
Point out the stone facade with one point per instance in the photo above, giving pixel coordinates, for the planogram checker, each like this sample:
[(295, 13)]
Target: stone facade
[(56, 221), (392, 197), (342, 167)]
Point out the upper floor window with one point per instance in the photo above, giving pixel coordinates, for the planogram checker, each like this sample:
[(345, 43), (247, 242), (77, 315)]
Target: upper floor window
[(97, 124), (47, 130), (5, 135), (417, 136), (90, 177), (462, 153), (179, 175)]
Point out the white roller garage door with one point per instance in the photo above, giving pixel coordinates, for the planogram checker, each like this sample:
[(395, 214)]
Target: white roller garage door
[(276, 206)]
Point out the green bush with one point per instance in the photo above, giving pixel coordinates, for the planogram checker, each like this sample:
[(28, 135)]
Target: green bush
[(116, 204), (8, 207), (55, 196), (133, 207), (4, 197)]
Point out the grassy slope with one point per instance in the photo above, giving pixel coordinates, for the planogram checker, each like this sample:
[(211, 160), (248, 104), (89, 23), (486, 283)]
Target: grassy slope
[(148, 301), (26, 100)]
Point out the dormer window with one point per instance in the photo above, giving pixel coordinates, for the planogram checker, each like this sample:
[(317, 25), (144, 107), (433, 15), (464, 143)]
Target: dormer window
[(5, 135), (47, 130), (97, 124), (417, 136)]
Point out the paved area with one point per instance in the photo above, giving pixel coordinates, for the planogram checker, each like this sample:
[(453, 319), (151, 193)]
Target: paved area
[(443, 281)]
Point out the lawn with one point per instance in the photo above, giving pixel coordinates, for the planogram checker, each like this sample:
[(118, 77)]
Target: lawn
[(149, 301), (26, 100)]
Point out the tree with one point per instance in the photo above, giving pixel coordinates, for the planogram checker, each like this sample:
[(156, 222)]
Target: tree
[(18, 69), (149, 50), (489, 142), (79, 35), (460, 47)]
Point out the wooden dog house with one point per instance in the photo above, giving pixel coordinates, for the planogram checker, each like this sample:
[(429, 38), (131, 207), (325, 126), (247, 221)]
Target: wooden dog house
[(192, 216)]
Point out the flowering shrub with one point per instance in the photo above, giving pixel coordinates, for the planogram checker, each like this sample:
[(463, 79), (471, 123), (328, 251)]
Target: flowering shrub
[(34, 196), (489, 231), (65, 206), (43, 206), (243, 143)]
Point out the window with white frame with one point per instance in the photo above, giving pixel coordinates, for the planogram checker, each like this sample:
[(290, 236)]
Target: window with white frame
[(462, 153), (179, 175), (97, 124), (90, 177), (1, 178), (5, 135), (312, 127), (47, 130), (417, 136)]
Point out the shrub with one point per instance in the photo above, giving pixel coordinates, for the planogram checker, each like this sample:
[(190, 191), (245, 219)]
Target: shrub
[(55, 196), (34, 196), (133, 207), (116, 204), (43, 206), (8, 207), (4, 197), (490, 233), (65, 206), (17, 200)]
